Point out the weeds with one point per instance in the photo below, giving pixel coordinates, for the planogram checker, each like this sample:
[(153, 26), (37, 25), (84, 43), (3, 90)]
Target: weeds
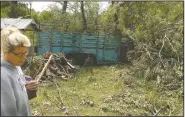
[(110, 91)]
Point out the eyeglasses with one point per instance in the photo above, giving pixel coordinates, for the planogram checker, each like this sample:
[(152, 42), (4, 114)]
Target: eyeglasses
[(20, 54)]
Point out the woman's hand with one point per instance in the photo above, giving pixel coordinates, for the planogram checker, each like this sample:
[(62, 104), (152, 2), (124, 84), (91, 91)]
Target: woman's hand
[(32, 85)]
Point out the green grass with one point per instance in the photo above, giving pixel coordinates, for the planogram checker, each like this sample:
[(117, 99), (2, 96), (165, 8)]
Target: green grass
[(105, 91)]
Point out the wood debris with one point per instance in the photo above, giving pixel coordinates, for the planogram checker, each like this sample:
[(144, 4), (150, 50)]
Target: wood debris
[(58, 68)]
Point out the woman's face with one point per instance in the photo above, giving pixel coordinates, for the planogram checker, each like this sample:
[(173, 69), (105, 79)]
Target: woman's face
[(17, 56)]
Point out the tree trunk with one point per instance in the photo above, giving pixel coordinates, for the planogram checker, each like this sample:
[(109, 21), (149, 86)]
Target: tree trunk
[(64, 7), (116, 21), (83, 16), (13, 13)]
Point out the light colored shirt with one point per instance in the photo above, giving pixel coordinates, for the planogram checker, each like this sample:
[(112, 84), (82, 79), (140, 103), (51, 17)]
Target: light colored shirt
[(14, 98)]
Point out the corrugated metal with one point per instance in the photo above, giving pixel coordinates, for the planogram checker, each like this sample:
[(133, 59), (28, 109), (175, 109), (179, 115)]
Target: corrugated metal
[(17, 22)]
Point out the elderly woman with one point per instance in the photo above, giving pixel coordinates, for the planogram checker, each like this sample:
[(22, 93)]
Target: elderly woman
[(14, 97)]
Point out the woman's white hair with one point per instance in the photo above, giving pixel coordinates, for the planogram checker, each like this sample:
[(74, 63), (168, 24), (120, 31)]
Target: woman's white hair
[(11, 37)]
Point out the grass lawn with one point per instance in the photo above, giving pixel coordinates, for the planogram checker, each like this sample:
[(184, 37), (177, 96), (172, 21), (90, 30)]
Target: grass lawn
[(105, 91)]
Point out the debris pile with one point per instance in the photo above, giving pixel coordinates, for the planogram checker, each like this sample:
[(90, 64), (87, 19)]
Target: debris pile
[(59, 67)]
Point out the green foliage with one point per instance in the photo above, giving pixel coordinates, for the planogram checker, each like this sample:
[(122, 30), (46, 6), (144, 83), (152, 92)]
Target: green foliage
[(21, 10), (157, 30), (5, 9), (35, 16), (45, 15), (70, 21), (34, 66)]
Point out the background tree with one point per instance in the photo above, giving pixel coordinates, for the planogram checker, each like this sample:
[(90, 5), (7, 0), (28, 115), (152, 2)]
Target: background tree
[(13, 11), (83, 16), (64, 6)]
